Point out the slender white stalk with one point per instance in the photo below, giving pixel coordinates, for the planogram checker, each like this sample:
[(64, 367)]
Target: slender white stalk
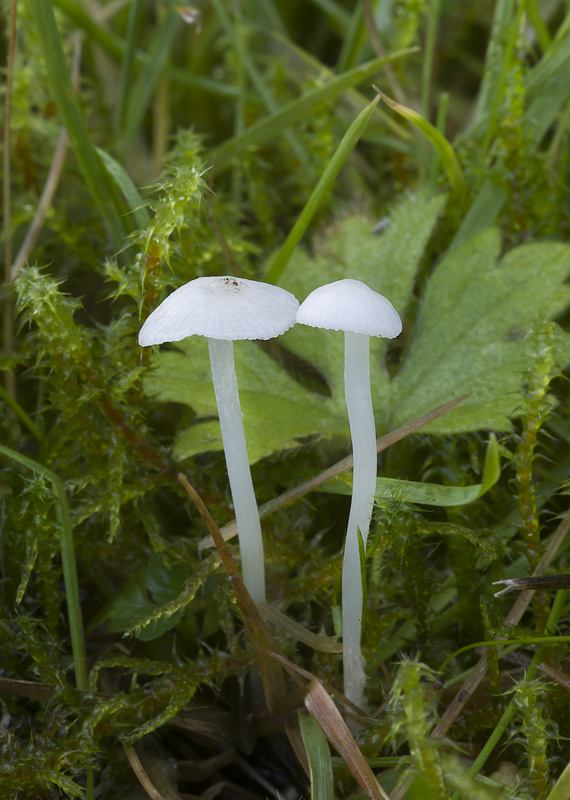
[(235, 449), (363, 433)]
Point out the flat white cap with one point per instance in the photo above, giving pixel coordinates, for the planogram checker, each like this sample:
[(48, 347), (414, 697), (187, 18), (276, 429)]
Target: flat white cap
[(350, 305), (221, 308)]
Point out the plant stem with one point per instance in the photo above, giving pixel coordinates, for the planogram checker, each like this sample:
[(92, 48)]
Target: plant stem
[(363, 432), (239, 474)]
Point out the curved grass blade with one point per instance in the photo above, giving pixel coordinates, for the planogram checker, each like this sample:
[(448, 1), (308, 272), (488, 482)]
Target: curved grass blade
[(67, 103), (432, 494), (126, 186), (442, 147), (342, 152)]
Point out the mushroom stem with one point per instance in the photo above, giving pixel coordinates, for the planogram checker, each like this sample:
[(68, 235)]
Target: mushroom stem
[(363, 434), (235, 450)]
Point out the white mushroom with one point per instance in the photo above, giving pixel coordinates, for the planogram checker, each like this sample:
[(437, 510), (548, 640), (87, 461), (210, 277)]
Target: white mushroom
[(351, 306), (224, 309)]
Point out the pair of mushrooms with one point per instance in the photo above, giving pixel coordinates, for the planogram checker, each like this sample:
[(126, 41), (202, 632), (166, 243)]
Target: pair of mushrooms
[(224, 309)]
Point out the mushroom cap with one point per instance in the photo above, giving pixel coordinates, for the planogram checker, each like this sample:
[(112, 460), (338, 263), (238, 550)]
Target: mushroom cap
[(221, 308), (350, 305)]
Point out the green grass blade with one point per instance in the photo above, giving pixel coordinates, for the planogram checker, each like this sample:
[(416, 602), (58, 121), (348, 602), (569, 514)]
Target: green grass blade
[(540, 28), (335, 12), (116, 48), (509, 61), (482, 212), (21, 414), (442, 147), (440, 124), (381, 118), (127, 188), (501, 19), (352, 40), (128, 62), (319, 758), (257, 80), (522, 642), (433, 12), (326, 180), (148, 77), (69, 109), (67, 548), (492, 468), (111, 43), (208, 85), (549, 84), (291, 113)]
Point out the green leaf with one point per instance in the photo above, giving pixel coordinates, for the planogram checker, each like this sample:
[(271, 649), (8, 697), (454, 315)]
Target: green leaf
[(474, 314), (129, 604), (319, 758), (133, 603), (277, 411)]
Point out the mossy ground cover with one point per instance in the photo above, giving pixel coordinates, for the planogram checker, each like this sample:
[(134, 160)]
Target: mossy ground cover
[(149, 144)]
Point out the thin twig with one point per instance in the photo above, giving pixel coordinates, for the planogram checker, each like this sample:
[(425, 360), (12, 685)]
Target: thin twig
[(257, 630), (45, 202), (141, 773), (230, 530), (52, 180)]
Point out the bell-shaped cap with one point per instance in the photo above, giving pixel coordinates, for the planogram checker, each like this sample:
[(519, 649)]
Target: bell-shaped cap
[(350, 305), (221, 308)]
